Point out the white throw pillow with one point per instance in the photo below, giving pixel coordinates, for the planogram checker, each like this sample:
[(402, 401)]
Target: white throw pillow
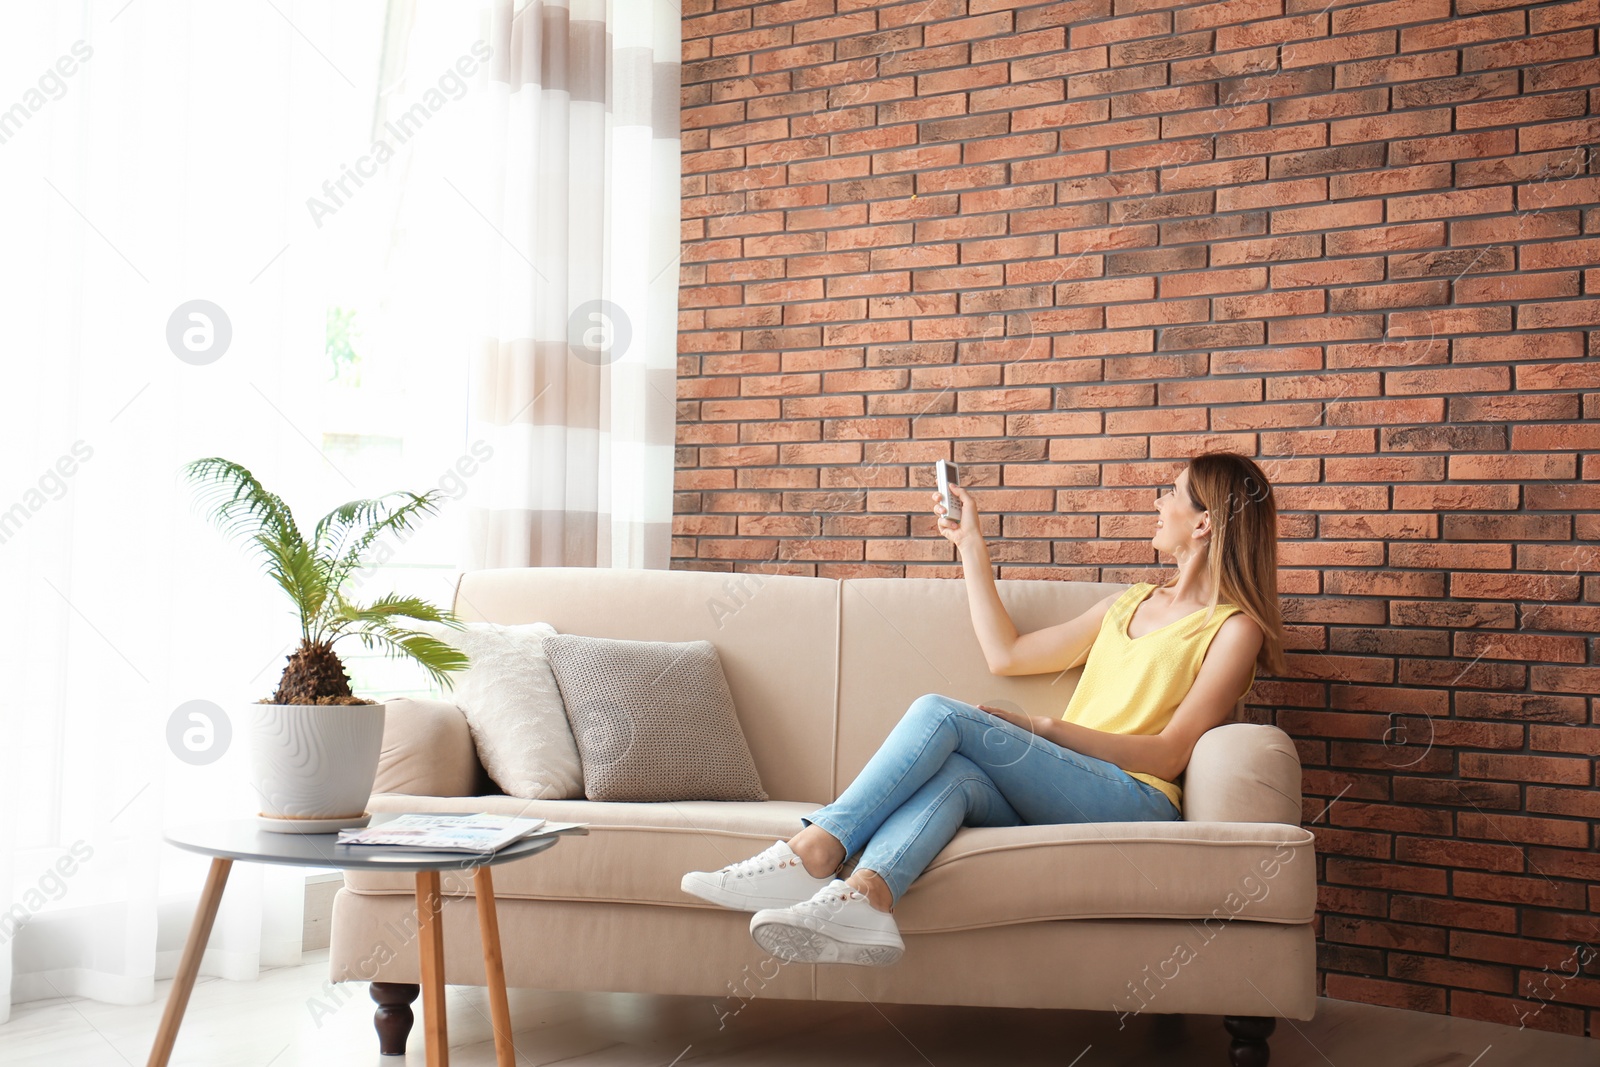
[(514, 709)]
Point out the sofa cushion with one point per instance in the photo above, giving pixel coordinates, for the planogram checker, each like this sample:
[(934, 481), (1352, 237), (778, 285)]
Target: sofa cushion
[(513, 708), (427, 751), (654, 720), (986, 876)]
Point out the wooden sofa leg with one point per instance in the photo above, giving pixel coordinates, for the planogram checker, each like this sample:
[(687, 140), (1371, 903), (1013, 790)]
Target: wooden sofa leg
[(393, 1018), (1250, 1033)]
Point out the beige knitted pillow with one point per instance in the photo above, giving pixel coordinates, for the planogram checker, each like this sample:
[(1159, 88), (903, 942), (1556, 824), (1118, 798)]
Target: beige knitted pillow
[(653, 720)]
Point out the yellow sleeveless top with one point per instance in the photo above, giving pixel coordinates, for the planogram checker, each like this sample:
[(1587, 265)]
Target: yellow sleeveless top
[(1132, 685)]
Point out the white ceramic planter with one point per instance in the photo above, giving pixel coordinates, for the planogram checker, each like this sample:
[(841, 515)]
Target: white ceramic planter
[(313, 765)]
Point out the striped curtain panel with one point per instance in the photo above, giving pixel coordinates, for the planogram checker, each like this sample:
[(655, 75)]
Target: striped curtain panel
[(574, 375)]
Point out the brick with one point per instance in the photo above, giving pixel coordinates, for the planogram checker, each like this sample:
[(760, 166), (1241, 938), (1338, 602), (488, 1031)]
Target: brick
[(1529, 51), (1155, 261), (1454, 263), (1557, 254), (1204, 175), (1390, 181), (1453, 33), (1328, 160), (1515, 112), (1563, 75), (1156, 313), (1273, 194), (1453, 147), (1540, 892), (1227, 65), (1386, 239), (1400, 294), (1324, 328), (1541, 226), (1328, 51), (1120, 80), (1518, 287), (1486, 201), (1558, 17), (1171, 205), (1160, 49), (1160, 101), (1269, 250), (1269, 305), (1177, 338), (1393, 13), (1327, 272), (1272, 31), (1153, 24), (1444, 320), (1391, 126), (1224, 13), (1396, 69), (1330, 216), (1260, 142), (1159, 156), (1331, 105), (1543, 316)]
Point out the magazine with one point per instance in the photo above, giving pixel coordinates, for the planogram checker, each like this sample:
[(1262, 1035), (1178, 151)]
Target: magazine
[(449, 833)]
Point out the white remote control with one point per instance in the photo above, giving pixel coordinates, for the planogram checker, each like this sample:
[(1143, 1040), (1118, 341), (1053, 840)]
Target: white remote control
[(947, 475)]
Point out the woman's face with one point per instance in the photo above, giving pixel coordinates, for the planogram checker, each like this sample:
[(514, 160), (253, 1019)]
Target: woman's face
[(1176, 518)]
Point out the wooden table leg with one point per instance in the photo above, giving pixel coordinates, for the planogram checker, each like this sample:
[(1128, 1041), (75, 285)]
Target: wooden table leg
[(189, 964), (430, 930), (494, 967)]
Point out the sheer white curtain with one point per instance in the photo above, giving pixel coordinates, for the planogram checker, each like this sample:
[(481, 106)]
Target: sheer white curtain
[(152, 155)]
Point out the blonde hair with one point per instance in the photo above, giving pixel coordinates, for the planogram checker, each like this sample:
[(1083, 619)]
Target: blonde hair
[(1243, 555)]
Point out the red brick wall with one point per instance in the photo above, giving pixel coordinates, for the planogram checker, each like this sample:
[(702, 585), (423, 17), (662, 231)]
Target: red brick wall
[(1068, 245)]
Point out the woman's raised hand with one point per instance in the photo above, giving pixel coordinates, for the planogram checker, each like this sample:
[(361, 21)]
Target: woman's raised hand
[(968, 529)]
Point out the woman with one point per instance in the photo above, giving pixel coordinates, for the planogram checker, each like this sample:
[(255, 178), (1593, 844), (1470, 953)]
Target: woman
[(1162, 665)]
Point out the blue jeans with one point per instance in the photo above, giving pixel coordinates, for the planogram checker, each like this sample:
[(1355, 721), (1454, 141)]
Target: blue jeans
[(948, 764)]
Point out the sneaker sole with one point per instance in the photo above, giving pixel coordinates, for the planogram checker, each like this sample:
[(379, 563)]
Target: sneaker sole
[(799, 944), (716, 894)]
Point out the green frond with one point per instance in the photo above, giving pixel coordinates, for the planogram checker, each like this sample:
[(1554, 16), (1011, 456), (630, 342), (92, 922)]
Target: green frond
[(335, 527), (402, 519), (238, 503), (438, 658), (245, 510), (348, 617)]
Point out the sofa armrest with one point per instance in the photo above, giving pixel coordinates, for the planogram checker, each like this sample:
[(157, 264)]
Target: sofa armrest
[(427, 751), (1243, 772)]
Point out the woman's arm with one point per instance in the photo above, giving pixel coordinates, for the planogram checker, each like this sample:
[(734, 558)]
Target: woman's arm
[(996, 632), (1054, 648), (1224, 675), (1145, 753)]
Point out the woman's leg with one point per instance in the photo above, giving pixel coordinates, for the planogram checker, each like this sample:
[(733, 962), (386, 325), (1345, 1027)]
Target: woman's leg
[(905, 761), (1041, 781), (959, 794)]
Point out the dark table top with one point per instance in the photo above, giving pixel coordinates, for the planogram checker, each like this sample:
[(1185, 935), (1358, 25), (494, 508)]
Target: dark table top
[(242, 839)]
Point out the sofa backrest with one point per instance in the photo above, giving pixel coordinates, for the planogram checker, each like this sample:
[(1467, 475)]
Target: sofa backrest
[(820, 668), (903, 637), (777, 636)]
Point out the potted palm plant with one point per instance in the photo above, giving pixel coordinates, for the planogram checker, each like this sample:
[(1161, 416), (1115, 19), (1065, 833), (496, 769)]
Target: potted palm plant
[(315, 744)]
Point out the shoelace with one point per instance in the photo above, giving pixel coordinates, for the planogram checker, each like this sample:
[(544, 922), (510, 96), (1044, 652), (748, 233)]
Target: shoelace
[(833, 900), (756, 864)]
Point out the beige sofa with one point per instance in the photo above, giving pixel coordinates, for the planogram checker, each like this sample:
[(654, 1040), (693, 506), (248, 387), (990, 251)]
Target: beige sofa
[(1211, 914)]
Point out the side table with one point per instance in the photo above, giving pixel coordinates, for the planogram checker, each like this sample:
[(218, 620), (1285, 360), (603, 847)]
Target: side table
[(241, 839)]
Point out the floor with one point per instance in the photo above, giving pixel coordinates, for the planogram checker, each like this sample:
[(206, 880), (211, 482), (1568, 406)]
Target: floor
[(290, 1019)]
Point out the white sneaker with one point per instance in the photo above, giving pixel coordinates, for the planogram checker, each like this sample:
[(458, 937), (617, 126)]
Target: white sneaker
[(837, 925), (773, 879)]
